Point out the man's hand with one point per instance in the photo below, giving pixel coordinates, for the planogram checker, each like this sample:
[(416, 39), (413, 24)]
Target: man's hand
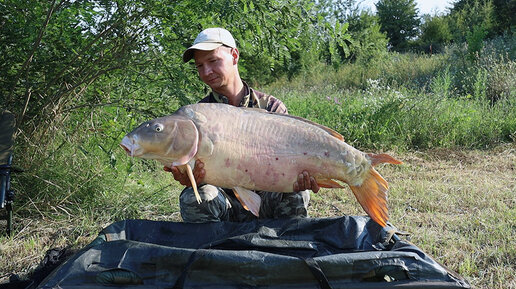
[(305, 182), (182, 178)]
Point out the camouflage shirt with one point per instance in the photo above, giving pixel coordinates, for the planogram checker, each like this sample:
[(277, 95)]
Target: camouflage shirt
[(252, 98)]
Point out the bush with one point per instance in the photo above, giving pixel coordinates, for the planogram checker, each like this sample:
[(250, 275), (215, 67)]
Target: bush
[(374, 114), (81, 166), (369, 43), (435, 34), (490, 74)]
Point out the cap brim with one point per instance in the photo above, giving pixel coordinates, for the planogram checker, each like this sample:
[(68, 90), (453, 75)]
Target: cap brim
[(189, 53)]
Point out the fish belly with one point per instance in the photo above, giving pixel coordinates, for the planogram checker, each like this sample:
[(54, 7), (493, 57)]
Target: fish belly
[(261, 151)]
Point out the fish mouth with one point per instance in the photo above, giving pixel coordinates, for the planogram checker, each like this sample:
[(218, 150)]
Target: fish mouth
[(127, 150), (129, 146)]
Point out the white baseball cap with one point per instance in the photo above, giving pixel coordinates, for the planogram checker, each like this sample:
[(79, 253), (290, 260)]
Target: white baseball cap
[(209, 39)]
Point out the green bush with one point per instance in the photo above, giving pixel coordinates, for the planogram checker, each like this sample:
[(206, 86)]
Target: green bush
[(435, 33), (395, 111), (369, 43), (490, 74)]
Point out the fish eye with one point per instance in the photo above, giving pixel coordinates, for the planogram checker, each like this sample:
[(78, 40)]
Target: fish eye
[(158, 127)]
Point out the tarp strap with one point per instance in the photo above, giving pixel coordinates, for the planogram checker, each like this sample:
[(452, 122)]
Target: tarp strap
[(199, 253), (317, 272), (196, 255)]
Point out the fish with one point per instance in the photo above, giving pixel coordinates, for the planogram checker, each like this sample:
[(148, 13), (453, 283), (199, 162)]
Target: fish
[(251, 149)]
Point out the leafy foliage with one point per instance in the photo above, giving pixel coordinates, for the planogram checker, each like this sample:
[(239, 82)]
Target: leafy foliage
[(497, 16), (477, 14), (369, 42), (435, 33), (62, 55), (399, 19), (55, 50)]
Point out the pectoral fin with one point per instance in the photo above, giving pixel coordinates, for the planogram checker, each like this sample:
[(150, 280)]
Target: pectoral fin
[(250, 200), (192, 180)]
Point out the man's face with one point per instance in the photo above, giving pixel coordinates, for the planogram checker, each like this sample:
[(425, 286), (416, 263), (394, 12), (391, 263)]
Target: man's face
[(215, 67)]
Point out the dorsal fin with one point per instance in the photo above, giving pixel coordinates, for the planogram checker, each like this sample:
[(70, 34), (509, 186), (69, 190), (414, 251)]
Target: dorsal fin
[(325, 128)]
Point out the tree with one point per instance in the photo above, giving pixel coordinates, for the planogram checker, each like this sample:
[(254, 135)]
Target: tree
[(369, 42), (466, 16), (497, 16), (60, 55), (53, 50), (435, 32), (399, 19)]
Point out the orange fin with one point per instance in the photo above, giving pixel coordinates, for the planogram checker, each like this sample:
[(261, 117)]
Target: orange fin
[(328, 183), (383, 158), (250, 200), (372, 196)]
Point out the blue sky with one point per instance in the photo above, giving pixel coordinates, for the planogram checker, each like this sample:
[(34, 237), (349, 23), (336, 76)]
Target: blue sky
[(424, 6)]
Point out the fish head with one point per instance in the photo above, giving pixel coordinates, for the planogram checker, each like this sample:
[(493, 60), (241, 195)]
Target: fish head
[(172, 140)]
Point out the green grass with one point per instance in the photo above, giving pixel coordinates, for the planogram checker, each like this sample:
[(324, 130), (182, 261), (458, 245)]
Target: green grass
[(386, 118), (459, 207), (455, 193)]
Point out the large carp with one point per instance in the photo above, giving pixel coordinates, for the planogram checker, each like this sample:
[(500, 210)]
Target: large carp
[(251, 149)]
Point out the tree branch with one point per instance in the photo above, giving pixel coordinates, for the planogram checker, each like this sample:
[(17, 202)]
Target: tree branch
[(26, 64)]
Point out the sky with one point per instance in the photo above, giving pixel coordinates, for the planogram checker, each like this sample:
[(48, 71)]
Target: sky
[(424, 6)]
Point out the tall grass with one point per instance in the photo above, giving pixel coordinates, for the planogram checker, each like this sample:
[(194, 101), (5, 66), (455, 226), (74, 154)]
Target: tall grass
[(77, 180), (411, 101), (385, 118), (81, 169)]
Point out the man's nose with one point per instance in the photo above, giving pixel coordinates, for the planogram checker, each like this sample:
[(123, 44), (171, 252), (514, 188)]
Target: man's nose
[(205, 70)]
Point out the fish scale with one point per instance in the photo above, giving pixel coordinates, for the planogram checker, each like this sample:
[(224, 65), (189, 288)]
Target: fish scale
[(251, 149)]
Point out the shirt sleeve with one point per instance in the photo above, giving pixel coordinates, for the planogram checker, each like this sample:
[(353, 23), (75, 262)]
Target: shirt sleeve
[(268, 102), (276, 105)]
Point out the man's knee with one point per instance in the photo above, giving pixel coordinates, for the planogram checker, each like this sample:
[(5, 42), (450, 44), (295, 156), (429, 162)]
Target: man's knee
[(206, 192), (213, 206), (294, 205), (285, 205)]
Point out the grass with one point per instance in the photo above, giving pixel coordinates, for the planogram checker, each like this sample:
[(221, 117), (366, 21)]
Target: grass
[(382, 117), (459, 207), (455, 192)]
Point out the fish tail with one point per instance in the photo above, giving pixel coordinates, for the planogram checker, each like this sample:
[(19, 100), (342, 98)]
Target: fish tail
[(372, 196)]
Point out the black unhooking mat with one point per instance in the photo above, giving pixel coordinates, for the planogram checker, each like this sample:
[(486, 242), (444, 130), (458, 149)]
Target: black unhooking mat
[(345, 252)]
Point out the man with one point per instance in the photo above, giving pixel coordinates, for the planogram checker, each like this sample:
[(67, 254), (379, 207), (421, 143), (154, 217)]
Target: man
[(216, 57)]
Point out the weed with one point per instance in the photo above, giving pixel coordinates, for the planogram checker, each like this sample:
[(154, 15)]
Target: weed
[(434, 113)]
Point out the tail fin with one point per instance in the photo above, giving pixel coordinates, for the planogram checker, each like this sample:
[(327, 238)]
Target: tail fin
[(372, 196)]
